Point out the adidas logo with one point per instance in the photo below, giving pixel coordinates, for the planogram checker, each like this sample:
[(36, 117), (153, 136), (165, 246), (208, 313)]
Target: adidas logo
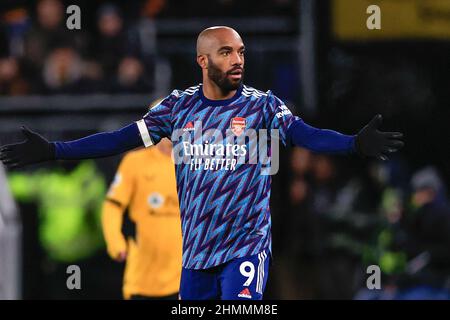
[(189, 127), (245, 294)]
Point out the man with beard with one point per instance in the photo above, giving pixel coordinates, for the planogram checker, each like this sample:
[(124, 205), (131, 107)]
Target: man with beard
[(225, 214)]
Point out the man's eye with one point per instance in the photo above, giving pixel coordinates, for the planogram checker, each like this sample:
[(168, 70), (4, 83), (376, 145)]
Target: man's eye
[(242, 53), (225, 53)]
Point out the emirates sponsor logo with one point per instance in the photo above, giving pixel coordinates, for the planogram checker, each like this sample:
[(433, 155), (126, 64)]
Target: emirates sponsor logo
[(226, 148)]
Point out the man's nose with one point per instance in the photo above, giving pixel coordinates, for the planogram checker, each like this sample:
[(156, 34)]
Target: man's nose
[(236, 59)]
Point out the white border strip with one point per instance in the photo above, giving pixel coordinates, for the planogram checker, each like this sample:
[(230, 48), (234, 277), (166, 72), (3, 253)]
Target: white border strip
[(144, 133), (260, 280)]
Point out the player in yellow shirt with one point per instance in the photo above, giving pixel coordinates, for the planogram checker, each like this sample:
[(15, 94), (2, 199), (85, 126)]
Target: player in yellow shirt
[(153, 258)]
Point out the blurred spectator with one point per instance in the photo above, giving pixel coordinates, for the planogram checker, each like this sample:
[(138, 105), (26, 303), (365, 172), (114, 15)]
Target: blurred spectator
[(300, 160), (412, 243), (62, 69), (111, 45), (11, 81), (427, 226), (130, 77), (324, 172), (298, 191), (143, 32), (48, 33), (69, 229), (93, 72), (298, 219), (143, 42), (16, 22), (64, 72)]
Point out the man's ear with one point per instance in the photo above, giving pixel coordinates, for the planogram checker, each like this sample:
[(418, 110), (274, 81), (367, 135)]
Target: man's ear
[(202, 61)]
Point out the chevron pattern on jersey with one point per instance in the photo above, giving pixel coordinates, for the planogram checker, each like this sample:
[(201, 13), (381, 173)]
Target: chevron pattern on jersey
[(225, 210)]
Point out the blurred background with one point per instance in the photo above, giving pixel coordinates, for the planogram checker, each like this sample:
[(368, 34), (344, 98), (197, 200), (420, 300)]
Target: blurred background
[(332, 216)]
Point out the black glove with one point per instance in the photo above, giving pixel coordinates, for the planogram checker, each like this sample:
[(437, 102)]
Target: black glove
[(370, 142), (34, 149)]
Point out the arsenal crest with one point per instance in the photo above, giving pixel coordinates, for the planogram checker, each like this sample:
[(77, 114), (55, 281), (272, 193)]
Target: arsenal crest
[(238, 125)]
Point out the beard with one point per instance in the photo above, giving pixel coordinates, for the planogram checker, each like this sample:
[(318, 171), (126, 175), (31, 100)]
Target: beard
[(221, 78)]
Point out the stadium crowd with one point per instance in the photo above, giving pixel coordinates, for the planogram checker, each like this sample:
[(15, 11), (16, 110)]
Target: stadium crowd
[(113, 52), (39, 55)]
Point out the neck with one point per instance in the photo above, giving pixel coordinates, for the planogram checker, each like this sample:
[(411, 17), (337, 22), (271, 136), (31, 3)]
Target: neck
[(213, 92)]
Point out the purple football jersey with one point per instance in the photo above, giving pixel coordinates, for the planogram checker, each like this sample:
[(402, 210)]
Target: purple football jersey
[(221, 148)]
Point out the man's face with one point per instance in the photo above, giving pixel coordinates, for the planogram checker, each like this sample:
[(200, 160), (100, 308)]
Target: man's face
[(226, 79), (226, 61)]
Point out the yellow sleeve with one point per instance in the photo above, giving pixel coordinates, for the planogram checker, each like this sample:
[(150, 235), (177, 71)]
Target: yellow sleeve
[(112, 224), (117, 200)]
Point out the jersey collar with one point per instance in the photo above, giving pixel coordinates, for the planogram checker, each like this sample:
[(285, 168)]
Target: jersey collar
[(220, 102)]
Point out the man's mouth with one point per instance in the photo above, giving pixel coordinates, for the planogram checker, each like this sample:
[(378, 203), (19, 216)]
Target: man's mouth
[(235, 74)]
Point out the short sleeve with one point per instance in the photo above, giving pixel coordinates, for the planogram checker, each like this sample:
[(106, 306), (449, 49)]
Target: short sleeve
[(280, 117), (157, 123)]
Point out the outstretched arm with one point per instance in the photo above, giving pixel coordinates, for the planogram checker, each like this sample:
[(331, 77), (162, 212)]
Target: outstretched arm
[(369, 142), (37, 149)]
